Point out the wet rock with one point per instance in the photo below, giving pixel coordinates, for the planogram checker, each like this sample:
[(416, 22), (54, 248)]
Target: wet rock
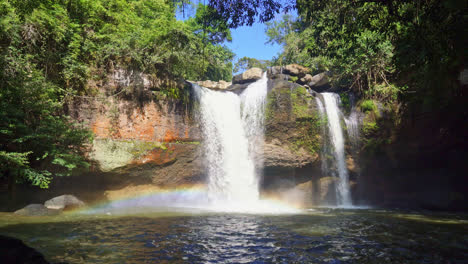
[(295, 70), (248, 76), (37, 210), (327, 192), (237, 87), (64, 202), (463, 77), (350, 164), (14, 251), (177, 164), (282, 156)]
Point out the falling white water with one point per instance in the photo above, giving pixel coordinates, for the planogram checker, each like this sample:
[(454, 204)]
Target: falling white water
[(231, 171), (253, 101), (324, 148), (352, 123), (337, 140), (233, 131)]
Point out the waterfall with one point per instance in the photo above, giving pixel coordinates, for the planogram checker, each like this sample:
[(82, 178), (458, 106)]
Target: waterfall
[(324, 150), (352, 123), (337, 140), (233, 132)]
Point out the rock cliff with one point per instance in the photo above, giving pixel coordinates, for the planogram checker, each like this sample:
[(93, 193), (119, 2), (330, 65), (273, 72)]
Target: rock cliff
[(143, 132)]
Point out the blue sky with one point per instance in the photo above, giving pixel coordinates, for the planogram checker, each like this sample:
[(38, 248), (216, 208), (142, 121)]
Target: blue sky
[(250, 42), (246, 41)]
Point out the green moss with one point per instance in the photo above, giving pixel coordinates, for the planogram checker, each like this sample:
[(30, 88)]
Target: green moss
[(188, 142), (300, 106), (368, 106), (142, 147), (293, 79), (309, 135), (111, 154), (270, 106), (369, 128)]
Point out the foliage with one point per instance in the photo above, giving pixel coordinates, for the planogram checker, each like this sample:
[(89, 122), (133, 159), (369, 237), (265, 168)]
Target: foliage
[(369, 128), (50, 49), (244, 12), (345, 101), (384, 50), (367, 106), (37, 140), (246, 63), (212, 30)]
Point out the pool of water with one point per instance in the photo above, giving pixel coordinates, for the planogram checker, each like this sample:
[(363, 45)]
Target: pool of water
[(322, 235)]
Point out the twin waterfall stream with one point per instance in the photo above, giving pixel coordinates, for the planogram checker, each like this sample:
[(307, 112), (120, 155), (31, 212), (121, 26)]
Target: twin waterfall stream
[(233, 129), (233, 132)]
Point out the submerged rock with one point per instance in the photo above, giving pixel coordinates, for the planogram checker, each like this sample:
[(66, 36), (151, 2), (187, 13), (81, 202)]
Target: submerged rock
[(249, 75), (37, 210), (14, 251), (64, 202)]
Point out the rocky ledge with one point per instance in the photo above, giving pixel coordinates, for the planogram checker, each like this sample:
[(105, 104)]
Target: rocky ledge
[(302, 75)]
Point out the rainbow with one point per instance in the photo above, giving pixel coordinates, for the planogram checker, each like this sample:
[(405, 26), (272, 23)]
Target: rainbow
[(144, 199)]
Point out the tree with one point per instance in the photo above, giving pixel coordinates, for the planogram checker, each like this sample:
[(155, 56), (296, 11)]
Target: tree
[(37, 141), (211, 29), (246, 63), (49, 50), (242, 12)]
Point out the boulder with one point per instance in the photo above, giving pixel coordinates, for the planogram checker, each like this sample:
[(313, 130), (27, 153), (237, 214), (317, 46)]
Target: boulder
[(221, 85), (249, 75), (15, 251), (275, 70), (295, 70), (283, 77), (319, 80), (37, 210), (63, 202), (306, 79)]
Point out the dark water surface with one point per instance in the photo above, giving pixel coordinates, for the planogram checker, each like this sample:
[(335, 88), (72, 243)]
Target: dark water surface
[(321, 236)]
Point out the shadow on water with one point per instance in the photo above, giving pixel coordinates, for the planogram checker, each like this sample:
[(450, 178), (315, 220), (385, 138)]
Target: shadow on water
[(323, 236)]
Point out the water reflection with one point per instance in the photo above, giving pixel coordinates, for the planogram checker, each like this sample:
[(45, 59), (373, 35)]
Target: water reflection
[(325, 236), (238, 239)]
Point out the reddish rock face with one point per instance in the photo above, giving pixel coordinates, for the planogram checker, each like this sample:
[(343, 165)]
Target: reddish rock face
[(139, 133), (148, 123)]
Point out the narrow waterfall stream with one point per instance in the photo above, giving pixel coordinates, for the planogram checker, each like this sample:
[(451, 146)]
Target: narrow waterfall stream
[(337, 140), (233, 132)]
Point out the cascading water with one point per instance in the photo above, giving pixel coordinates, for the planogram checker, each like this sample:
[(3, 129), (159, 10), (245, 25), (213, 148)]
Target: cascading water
[(233, 131), (352, 123), (337, 140), (253, 101)]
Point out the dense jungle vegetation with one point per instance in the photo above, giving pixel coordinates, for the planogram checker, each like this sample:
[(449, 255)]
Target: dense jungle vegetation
[(50, 49), (407, 53)]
